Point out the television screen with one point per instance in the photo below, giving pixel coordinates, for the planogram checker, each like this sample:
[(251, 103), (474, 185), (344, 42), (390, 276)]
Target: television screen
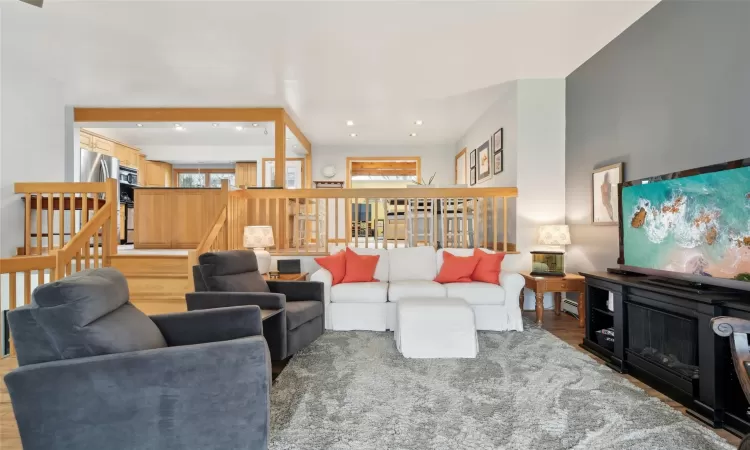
[(696, 225)]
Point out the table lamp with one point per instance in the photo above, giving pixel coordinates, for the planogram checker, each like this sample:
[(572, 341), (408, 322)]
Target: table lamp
[(258, 238), (550, 262)]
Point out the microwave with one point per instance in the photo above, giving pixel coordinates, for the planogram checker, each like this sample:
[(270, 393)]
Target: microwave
[(128, 176)]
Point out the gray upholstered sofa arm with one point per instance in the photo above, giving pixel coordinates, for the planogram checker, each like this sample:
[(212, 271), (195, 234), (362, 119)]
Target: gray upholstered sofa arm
[(210, 300), (297, 290), (206, 396), (210, 325)]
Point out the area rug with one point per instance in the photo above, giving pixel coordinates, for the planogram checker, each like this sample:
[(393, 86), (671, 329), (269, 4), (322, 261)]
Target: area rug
[(526, 390)]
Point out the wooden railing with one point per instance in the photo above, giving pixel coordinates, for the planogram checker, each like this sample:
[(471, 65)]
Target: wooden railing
[(316, 220), (55, 212), (91, 247), (215, 238)]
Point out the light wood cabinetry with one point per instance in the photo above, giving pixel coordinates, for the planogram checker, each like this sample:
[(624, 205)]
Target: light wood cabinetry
[(103, 146), (128, 156), (174, 218), (246, 173), (141, 167), (158, 174), (87, 140)]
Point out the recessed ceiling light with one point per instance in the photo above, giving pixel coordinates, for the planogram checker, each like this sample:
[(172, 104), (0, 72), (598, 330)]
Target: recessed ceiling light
[(178, 127), (215, 125), (413, 134), (353, 134), (255, 124), (349, 123), (139, 125), (239, 128), (418, 122)]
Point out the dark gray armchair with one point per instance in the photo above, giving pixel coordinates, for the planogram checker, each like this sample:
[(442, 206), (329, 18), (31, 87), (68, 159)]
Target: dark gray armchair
[(231, 278), (97, 373)]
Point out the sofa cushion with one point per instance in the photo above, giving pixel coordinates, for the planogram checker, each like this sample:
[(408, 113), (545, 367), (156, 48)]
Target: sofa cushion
[(413, 263), (381, 270), (88, 314), (373, 292), (360, 268), (414, 288), (476, 293), (488, 268), (232, 271), (455, 252), (457, 269), (299, 312), (336, 264)]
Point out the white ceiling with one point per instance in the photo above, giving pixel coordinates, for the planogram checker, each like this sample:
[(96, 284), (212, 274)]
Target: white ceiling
[(382, 64)]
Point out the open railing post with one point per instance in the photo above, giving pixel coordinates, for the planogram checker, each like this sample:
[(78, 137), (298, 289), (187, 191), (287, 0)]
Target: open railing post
[(111, 198)]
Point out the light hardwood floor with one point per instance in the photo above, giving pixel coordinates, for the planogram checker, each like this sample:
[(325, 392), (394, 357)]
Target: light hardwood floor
[(564, 327)]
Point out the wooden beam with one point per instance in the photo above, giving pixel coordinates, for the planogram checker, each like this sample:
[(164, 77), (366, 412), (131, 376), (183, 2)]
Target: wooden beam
[(384, 165), (384, 173), (297, 132), (279, 154), (178, 115)]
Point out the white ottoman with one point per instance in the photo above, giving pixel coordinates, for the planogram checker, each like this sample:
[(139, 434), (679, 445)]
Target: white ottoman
[(433, 327)]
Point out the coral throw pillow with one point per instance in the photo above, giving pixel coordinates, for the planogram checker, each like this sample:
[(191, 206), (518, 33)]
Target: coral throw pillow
[(360, 268), (336, 264), (457, 269), (488, 267)]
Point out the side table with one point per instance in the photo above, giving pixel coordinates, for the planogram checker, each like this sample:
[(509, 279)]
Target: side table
[(542, 284)]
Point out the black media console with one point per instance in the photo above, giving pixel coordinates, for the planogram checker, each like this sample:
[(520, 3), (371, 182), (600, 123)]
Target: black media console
[(663, 336)]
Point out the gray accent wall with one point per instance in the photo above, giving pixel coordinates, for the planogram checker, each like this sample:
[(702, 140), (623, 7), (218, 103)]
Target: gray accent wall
[(672, 92)]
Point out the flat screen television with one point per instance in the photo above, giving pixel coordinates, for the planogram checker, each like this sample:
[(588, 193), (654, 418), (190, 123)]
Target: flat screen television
[(692, 225)]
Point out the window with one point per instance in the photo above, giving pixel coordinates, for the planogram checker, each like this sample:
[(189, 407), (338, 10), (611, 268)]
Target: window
[(295, 173), (201, 178)]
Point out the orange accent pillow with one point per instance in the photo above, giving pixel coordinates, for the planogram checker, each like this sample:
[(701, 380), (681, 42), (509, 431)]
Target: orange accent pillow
[(359, 268), (457, 269), (336, 264), (488, 268)]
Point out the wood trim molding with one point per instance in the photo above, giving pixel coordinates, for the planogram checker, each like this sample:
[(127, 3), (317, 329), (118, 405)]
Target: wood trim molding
[(263, 168), (178, 114), (455, 164)]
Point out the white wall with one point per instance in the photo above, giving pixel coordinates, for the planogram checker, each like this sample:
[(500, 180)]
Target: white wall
[(32, 142), (437, 159)]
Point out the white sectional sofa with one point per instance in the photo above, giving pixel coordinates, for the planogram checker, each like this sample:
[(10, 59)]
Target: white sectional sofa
[(408, 272)]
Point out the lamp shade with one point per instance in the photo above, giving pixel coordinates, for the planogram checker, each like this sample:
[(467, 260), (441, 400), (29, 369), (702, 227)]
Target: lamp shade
[(554, 235), (258, 236)]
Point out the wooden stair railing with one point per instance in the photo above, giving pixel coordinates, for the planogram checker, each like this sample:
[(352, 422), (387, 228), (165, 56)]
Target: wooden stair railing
[(215, 238), (90, 248), (56, 211)]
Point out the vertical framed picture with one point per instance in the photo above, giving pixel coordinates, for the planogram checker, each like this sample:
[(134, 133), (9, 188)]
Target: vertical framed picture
[(605, 201), (484, 162), (473, 159), (497, 141), (473, 176), (498, 163)]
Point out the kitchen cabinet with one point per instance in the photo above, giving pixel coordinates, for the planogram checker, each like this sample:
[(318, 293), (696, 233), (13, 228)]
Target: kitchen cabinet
[(87, 140), (141, 167), (246, 173), (103, 146), (152, 222), (128, 156), (158, 174)]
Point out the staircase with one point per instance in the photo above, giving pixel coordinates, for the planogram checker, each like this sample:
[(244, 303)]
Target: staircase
[(157, 283)]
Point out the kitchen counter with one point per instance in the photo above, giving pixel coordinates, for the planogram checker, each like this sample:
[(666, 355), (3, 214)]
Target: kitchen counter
[(174, 218)]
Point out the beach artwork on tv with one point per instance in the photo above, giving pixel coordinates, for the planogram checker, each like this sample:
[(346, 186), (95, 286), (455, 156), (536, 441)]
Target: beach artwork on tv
[(698, 225)]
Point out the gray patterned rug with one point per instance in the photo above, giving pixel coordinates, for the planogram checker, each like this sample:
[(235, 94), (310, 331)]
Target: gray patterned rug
[(529, 390)]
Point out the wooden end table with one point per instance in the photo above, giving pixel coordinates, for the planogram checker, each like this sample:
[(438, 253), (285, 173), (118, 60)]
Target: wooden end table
[(287, 277), (542, 284)]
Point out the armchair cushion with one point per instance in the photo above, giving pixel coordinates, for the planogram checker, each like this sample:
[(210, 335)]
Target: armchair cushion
[(211, 325), (86, 314), (210, 300), (298, 290), (300, 312), (232, 271)]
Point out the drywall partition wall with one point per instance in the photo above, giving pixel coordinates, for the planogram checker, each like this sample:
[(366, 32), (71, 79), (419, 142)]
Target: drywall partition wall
[(33, 139), (670, 93)]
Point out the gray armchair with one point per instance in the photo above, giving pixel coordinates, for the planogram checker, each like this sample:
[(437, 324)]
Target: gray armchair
[(97, 373), (231, 278)]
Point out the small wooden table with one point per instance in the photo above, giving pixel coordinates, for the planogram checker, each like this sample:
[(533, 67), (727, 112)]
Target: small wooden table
[(568, 283), (267, 313), (287, 277)]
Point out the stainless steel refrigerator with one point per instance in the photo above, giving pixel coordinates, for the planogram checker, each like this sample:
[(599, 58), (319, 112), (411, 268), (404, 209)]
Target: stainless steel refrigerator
[(97, 168)]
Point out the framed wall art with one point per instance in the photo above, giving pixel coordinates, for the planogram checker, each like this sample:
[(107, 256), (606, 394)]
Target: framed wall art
[(473, 159), (484, 162), (472, 176), (605, 201), (497, 141), (498, 162)]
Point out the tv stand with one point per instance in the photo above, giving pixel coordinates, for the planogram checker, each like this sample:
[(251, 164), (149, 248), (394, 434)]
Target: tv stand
[(686, 286)]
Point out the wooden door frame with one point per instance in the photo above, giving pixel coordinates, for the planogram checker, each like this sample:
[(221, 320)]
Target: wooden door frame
[(348, 179), (455, 164)]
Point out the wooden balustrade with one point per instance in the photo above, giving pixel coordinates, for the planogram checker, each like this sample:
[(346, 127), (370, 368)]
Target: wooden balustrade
[(316, 220), (55, 212)]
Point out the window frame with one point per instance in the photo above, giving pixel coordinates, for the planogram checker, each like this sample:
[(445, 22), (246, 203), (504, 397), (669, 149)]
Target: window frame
[(206, 172)]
